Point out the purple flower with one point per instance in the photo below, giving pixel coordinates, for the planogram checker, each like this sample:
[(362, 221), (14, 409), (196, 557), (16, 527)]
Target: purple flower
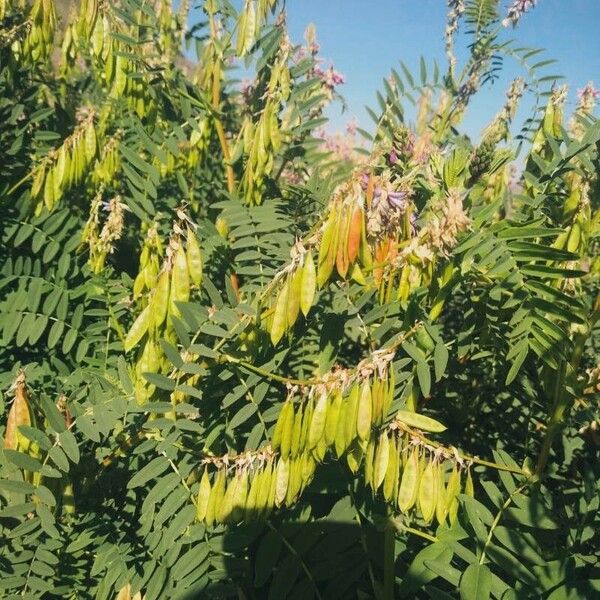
[(397, 200), (393, 157)]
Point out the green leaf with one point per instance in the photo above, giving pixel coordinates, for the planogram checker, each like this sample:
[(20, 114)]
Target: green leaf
[(153, 469), (267, 555), (424, 377), (476, 583), (413, 419), (440, 360), (242, 415)]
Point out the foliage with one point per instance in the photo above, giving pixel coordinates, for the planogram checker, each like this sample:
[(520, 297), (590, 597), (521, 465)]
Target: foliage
[(236, 364)]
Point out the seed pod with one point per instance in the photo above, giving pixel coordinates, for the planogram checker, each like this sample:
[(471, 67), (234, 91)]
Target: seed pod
[(377, 400), (240, 496), (308, 468), (428, 493), (382, 459), (391, 474), (407, 493), (317, 423), (297, 432), (351, 415), (327, 243), (277, 432), (225, 509), (295, 481), (18, 414), (90, 142), (203, 496), (215, 499), (452, 491), (357, 274), (440, 498), (293, 302), (287, 431), (309, 284), (368, 463), (355, 455), (282, 475), (333, 413), (388, 397), (180, 279), (320, 450), (138, 329), (251, 509), (340, 432), (160, 298), (279, 324), (574, 237), (469, 488), (306, 421), (341, 259), (194, 258), (355, 233), (38, 181), (49, 197), (264, 489), (364, 415)]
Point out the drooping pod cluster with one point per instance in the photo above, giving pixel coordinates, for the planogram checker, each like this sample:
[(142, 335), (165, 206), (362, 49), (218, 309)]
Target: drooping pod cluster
[(150, 263), (249, 486), (253, 14), (260, 141), (92, 28), (295, 293), (39, 40), (65, 166), (180, 273), (108, 162), (343, 244), (336, 413), (414, 476)]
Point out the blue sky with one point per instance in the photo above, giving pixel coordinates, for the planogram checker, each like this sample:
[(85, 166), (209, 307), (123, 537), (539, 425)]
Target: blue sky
[(365, 38)]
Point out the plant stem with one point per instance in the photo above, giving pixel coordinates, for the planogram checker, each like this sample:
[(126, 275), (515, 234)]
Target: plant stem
[(496, 520)]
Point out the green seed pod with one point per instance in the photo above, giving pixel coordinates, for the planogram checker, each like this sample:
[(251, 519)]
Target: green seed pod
[(427, 493), (203, 496), (391, 473), (333, 413), (287, 431), (382, 458), (407, 493), (282, 477), (364, 415), (352, 415), (355, 455), (317, 423), (441, 502), (340, 432), (216, 497), (295, 448)]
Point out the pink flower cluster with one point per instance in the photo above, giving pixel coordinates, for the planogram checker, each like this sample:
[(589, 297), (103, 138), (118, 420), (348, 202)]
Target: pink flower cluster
[(330, 77)]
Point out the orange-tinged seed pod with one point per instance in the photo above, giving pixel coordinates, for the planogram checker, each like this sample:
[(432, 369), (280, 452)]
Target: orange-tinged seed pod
[(355, 233), (18, 415)]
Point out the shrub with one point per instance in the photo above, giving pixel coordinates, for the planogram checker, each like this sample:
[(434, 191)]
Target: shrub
[(240, 361)]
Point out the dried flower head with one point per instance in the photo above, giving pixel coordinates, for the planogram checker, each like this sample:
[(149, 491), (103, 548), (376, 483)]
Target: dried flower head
[(443, 232), (516, 10)]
